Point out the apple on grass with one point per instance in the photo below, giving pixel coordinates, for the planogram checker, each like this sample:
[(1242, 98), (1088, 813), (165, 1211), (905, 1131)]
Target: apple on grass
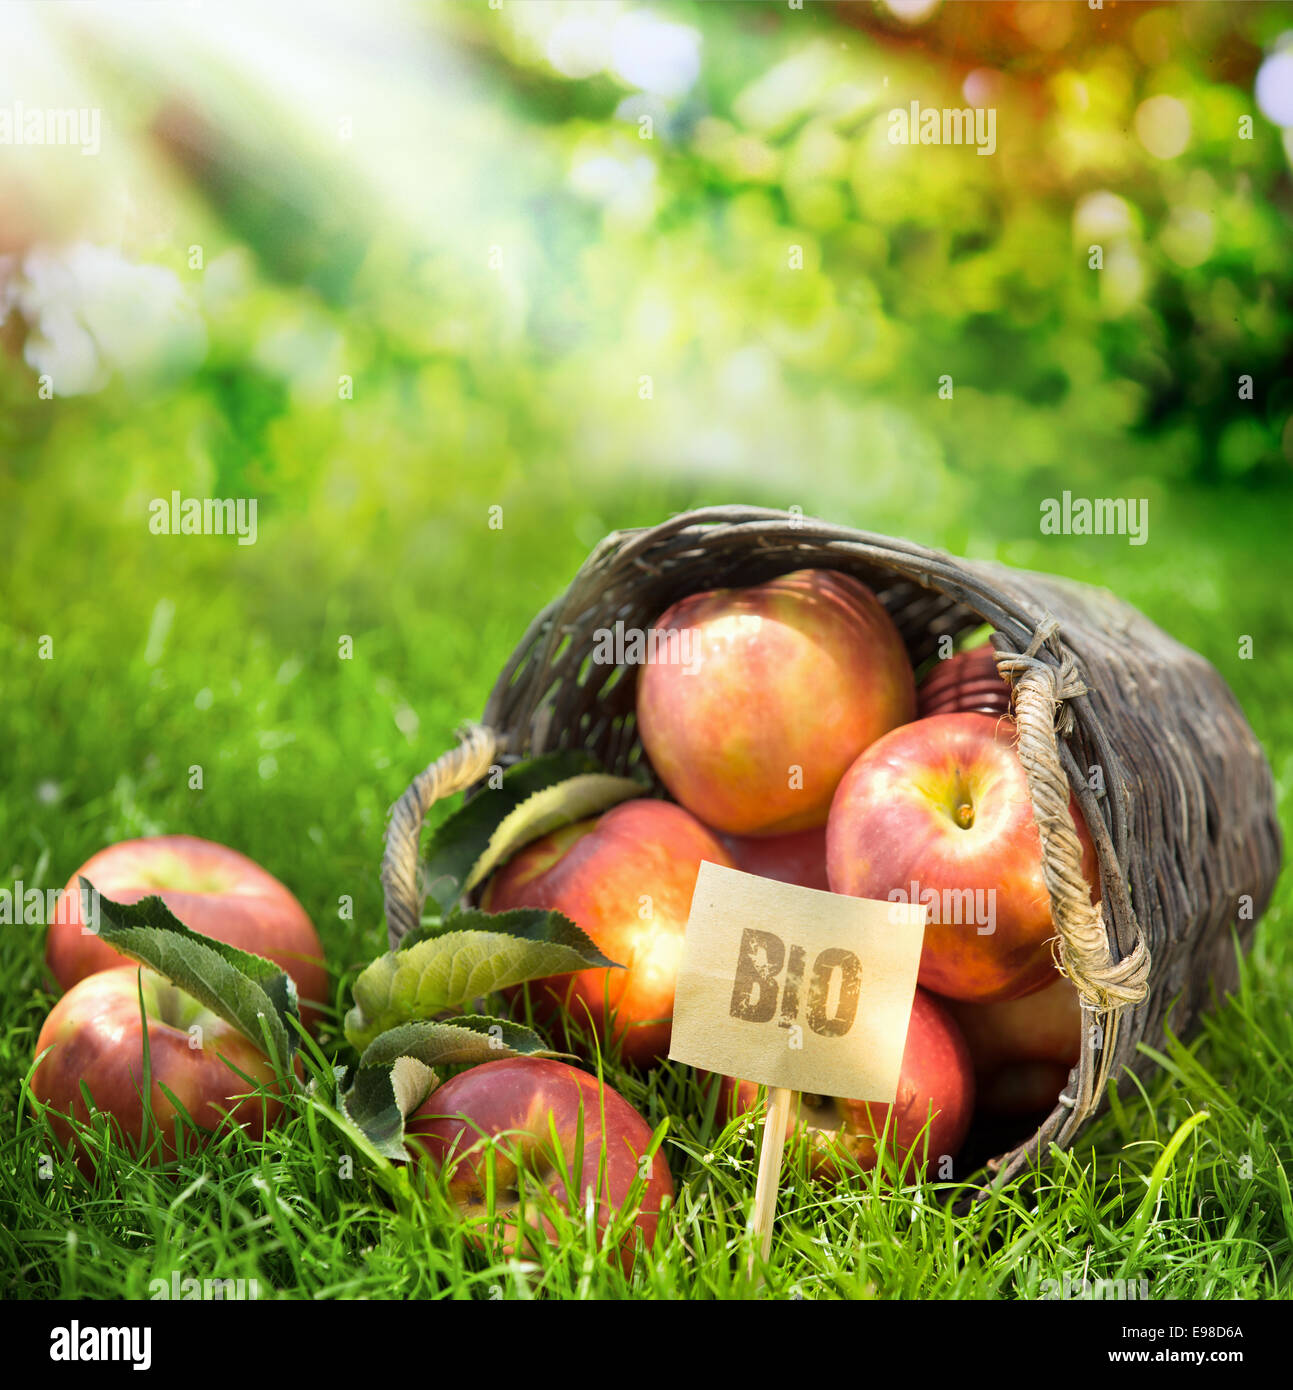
[(927, 1122), (211, 889), (939, 812), (488, 1126), (1023, 1049), (789, 681), (626, 878), (197, 1062)]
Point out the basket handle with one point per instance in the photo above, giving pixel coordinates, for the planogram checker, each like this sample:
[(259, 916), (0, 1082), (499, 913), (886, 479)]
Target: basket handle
[(452, 772), (1083, 953)]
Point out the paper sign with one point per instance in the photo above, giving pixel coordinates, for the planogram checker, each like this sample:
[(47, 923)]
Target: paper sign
[(794, 987)]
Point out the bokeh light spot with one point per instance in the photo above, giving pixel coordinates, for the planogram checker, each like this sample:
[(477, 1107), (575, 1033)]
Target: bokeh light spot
[(1274, 89), (1163, 126), (911, 11), (981, 86), (578, 48), (1047, 25), (1189, 236), (655, 55), (1102, 217)]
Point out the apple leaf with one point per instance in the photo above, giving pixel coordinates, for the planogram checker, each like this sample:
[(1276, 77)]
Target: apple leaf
[(396, 1072), (448, 1042), (459, 841), (475, 953), (563, 803), (381, 1098), (246, 990)]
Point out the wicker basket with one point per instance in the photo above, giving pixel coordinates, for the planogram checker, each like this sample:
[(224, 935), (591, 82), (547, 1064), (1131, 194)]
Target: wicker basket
[(1184, 829)]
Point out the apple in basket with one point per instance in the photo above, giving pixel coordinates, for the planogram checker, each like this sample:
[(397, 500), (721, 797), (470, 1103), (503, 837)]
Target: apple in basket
[(939, 812), (626, 878), (965, 683), (785, 684), (1023, 1049), (799, 857)]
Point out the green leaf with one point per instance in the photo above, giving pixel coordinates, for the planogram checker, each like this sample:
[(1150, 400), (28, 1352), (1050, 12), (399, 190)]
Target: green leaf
[(461, 840), (575, 799), (396, 1072), (246, 990), (382, 1098), (476, 954), (449, 1042)]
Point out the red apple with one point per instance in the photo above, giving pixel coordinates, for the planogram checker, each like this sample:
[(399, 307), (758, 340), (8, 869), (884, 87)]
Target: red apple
[(627, 879), (97, 1035), (515, 1102), (1023, 1049), (938, 812), (799, 857), (965, 683), (212, 890), (787, 683), (936, 1076)]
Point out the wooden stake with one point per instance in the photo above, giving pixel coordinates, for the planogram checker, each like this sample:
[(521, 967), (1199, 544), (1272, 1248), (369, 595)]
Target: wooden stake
[(770, 1154)]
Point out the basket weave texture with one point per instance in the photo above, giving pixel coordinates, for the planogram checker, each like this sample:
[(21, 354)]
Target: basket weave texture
[(1172, 783)]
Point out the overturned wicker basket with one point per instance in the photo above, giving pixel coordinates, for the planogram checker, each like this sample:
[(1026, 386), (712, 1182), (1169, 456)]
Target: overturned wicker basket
[(1185, 828)]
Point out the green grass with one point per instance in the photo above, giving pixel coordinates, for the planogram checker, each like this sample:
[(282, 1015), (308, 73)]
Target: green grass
[(196, 656), (1216, 1222)]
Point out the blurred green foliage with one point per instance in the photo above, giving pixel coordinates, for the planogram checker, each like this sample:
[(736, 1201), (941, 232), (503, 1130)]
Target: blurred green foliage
[(761, 299)]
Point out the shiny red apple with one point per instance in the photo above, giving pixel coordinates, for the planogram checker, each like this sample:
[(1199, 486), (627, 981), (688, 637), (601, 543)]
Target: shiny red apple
[(211, 889), (627, 879), (97, 1035), (965, 683), (783, 685), (939, 812), (502, 1114)]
